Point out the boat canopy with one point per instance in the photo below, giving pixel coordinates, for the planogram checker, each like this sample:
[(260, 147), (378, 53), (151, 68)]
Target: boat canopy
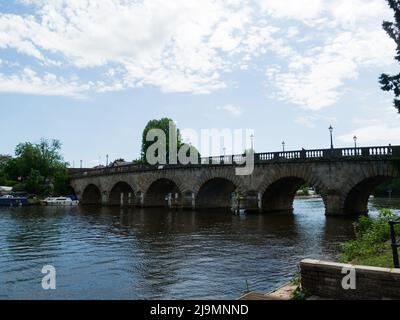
[(5, 189)]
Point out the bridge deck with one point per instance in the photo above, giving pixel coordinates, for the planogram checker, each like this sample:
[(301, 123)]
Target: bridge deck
[(365, 153)]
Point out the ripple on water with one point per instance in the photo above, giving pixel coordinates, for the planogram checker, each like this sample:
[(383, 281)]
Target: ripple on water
[(109, 253)]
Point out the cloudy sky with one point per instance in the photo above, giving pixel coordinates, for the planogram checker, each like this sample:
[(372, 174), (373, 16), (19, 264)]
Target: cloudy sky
[(93, 72)]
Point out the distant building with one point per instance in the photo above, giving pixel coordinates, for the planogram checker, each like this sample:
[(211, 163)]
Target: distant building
[(4, 190), (120, 162)]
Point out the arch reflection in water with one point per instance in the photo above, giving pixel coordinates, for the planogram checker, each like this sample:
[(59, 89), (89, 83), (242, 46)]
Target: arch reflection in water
[(124, 253)]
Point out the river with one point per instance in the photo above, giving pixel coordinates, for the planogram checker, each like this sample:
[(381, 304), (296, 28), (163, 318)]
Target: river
[(113, 253)]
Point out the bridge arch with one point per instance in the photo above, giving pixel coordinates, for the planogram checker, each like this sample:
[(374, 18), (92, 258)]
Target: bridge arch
[(216, 193), (356, 197), (91, 195), (121, 194), (279, 191), (156, 193)]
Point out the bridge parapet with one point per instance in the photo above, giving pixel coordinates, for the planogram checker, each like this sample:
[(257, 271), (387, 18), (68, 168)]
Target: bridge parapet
[(385, 152)]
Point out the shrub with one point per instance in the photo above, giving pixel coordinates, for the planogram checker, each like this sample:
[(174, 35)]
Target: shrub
[(372, 235)]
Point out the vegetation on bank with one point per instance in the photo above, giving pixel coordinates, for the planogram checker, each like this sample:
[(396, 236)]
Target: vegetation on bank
[(36, 168), (372, 245)]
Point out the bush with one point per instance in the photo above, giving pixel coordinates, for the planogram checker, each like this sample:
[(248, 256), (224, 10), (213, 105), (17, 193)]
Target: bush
[(299, 293), (19, 187), (372, 237)]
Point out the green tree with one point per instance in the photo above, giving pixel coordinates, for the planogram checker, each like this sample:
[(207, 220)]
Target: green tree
[(164, 125), (35, 182), (61, 184), (392, 82), (38, 167), (4, 159)]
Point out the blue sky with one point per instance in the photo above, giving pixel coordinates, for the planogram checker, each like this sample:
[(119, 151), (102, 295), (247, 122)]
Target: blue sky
[(91, 73)]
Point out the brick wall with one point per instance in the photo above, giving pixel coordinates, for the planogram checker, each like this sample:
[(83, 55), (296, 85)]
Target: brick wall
[(324, 279)]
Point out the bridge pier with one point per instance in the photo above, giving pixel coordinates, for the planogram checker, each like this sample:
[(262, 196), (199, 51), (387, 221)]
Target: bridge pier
[(251, 203), (104, 198), (189, 201), (139, 199)]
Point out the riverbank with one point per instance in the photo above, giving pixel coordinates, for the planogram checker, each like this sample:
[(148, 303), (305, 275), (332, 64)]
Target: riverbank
[(282, 293), (372, 245)]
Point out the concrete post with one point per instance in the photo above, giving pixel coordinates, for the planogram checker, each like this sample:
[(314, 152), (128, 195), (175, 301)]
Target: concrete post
[(169, 200), (129, 199), (104, 198), (139, 199), (193, 201), (121, 202)]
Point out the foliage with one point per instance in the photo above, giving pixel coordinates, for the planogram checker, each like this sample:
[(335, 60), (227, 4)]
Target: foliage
[(138, 162), (37, 168), (392, 82), (303, 192), (4, 159), (372, 240), (61, 184), (35, 182), (164, 125), (299, 293)]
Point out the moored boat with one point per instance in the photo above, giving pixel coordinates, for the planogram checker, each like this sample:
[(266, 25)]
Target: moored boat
[(59, 201), (11, 201)]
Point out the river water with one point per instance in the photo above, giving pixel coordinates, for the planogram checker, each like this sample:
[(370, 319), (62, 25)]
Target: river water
[(113, 253)]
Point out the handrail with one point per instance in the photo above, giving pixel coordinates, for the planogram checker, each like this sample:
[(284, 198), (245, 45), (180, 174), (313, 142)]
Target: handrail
[(259, 158), (395, 243)]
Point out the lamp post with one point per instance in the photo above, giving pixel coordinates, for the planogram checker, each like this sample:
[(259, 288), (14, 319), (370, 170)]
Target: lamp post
[(283, 146), (355, 142), (331, 132)]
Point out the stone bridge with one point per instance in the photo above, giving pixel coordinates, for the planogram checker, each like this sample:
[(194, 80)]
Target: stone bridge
[(344, 178)]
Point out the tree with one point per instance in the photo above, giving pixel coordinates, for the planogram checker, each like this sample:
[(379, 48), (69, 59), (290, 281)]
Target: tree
[(39, 167), (35, 182), (392, 82), (4, 159), (164, 125)]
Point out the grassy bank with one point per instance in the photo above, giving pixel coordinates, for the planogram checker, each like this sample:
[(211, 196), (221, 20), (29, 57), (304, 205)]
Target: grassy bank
[(372, 245)]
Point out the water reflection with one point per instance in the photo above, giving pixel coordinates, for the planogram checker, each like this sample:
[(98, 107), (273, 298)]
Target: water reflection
[(148, 254)]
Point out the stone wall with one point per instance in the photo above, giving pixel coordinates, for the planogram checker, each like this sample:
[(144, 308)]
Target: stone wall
[(324, 279)]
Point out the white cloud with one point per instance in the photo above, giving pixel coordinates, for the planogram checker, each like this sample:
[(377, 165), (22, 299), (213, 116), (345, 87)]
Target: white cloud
[(179, 46), (316, 78), (309, 121), (382, 134), (293, 9), (232, 109), (28, 82), (190, 45), (380, 127)]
